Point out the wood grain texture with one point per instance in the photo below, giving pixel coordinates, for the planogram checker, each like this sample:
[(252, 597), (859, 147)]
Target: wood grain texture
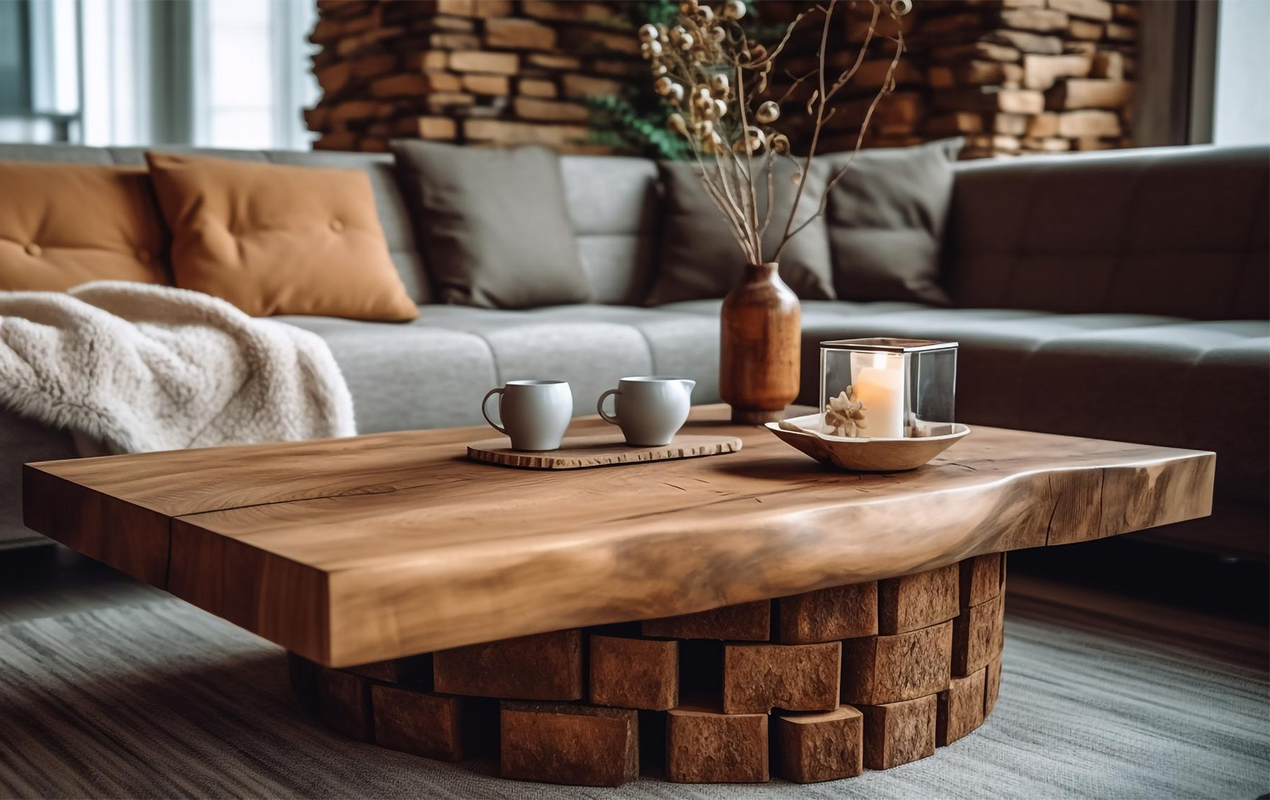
[(978, 636), (761, 341), (980, 579), (634, 673), (960, 708), (356, 550), (917, 601), (582, 452), (898, 733), (794, 677), (992, 685), (747, 622), (843, 612), (705, 746), (819, 747), (437, 726), (569, 744), (887, 669), (343, 701), (129, 537), (543, 666)]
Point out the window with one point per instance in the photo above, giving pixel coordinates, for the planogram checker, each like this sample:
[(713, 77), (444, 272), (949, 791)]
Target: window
[(1241, 110), (39, 71), (215, 73), (251, 73)]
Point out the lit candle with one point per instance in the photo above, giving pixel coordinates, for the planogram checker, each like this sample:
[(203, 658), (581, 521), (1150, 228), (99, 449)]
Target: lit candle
[(881, 389)]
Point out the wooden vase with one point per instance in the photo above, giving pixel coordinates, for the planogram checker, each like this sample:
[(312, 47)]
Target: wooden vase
[(761, 341)]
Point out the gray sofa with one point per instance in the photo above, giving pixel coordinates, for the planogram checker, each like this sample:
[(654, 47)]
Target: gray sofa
[(1118, 295)]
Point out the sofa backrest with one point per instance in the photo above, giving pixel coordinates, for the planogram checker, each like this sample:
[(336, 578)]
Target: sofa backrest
[(390, 204), (1171, 231), (611, 202)]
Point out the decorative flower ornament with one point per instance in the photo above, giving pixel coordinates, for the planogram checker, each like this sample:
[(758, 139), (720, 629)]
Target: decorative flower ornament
[(719, 82), (845, 415)]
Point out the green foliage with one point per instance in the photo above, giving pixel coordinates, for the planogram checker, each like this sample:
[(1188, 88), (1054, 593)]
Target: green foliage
[(618, 122), (636, 121), (658, 12)]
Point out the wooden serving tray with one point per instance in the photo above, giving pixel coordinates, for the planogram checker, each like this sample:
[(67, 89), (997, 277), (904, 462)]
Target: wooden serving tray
[(580, 452)]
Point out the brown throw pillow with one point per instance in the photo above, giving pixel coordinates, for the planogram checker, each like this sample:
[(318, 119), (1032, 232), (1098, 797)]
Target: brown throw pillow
[(886, 222), (66, 224), (275, 239), (494, 225), (701, 259)]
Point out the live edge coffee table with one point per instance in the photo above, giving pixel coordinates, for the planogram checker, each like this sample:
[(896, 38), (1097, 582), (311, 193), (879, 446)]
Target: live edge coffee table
[(685, 617)]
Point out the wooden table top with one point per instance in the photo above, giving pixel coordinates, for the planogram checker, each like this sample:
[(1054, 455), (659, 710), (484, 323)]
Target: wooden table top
[(357, 550)]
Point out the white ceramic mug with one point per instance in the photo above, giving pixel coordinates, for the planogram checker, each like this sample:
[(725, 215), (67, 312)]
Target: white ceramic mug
[(534, 413), (649, 410)]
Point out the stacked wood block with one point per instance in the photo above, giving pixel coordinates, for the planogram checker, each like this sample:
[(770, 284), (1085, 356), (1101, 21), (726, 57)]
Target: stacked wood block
[(478, 71), (894, 122), (813, 687), (1012, 76), (1027, 76)]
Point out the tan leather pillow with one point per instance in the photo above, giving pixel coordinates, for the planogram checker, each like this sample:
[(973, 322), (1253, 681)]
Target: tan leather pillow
[(66, 224), (278, 239)]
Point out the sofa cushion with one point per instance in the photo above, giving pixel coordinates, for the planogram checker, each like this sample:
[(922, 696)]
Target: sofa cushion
[(274, 239), (886, 216), (700, 258), (612, 204), (1179, 232), (390, 204), (589, 351), (493, 224), (66, 224), (405, 377), (434, 371)]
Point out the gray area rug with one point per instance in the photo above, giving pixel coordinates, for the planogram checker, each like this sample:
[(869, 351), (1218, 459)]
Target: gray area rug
[(163, 700)]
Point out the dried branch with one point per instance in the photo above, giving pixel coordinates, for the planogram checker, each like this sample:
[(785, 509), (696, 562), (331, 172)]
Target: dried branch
[(711, 71), (815, 136)]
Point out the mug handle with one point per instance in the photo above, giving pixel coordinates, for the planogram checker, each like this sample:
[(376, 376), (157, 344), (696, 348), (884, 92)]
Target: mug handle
[(485, 411), (612, 420)]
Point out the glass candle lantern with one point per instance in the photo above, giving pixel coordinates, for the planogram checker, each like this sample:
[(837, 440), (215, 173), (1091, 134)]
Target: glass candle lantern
[(887, 388)]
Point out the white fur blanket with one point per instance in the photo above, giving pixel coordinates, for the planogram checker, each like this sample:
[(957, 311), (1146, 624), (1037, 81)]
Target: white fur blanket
[(136, 368)]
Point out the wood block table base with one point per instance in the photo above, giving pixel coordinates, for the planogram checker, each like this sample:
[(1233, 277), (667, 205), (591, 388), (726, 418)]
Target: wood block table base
[(688, 699)]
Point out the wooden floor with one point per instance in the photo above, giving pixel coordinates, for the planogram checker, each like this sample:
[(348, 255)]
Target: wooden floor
[(1196, 602)]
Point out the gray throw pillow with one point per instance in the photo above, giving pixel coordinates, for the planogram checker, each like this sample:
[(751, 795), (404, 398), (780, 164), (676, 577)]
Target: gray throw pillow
[(886, 220), (493, 224), (701, 259)]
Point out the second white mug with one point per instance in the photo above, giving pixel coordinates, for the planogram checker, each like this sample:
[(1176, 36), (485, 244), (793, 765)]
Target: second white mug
[(534, 414), (650, 410)]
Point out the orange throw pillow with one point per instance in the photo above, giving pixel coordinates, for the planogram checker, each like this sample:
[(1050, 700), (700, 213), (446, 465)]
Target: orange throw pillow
[(66, 224), (278, 239)]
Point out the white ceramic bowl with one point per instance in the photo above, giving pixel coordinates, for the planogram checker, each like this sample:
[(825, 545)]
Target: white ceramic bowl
[(865, 455)]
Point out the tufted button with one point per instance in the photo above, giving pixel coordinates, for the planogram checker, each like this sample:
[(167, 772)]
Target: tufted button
[(336, 225), (33, 249)]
